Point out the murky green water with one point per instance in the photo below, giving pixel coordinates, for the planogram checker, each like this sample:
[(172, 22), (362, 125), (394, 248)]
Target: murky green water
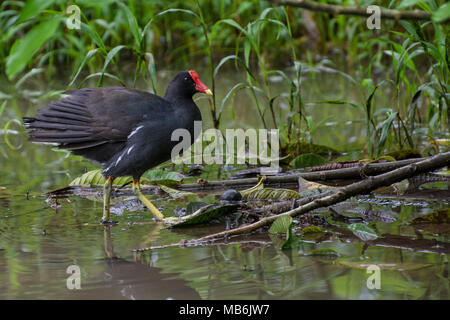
[(38, 242)]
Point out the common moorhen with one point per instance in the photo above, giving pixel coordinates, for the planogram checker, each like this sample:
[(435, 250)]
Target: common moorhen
[(126, 131)]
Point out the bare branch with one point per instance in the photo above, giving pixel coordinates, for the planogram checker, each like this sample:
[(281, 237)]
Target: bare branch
[(366, 169), (358, 188), (356, 10)]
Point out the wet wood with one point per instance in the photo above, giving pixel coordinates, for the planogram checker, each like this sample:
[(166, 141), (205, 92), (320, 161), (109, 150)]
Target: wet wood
[(363, 187), (365, 169)]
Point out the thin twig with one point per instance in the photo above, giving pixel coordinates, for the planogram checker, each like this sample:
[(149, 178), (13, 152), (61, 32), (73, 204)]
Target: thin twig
[(356, 10)]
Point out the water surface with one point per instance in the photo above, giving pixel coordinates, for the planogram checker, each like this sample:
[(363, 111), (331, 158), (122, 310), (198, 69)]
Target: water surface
[(40, 240)]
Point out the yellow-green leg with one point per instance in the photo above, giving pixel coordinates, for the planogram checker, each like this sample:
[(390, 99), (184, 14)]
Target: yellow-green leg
[(107, 187), (154, 210)]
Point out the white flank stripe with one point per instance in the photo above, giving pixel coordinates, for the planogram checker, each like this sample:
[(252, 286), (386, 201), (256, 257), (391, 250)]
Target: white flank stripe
[(134, 131), (120, 158), (129, 149)]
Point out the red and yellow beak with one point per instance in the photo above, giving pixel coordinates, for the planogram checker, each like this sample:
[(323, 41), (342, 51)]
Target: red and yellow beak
[(199, 86)]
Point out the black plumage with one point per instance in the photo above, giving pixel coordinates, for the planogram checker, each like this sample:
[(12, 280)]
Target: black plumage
[(127, 131)]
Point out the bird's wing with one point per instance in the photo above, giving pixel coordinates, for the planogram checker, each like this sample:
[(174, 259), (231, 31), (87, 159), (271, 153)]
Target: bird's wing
[(98, 117)]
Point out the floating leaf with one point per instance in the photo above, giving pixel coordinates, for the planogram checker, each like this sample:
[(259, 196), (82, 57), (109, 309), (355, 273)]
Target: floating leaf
[(157, 176), (362, 231), (281, 224), (305, 185), (174, 193), (271, 194), (160, 176), (95, 177)]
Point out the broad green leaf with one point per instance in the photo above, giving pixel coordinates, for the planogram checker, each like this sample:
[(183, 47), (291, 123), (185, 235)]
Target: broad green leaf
[(362, 231), (442, 14), (160, 176), (270, 194), (281, 224), (95, 178), (23, 50), (32, 8), (174, 193), (408, 3)]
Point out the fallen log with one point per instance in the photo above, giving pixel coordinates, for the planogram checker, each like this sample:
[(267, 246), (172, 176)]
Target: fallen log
[(366, 169)]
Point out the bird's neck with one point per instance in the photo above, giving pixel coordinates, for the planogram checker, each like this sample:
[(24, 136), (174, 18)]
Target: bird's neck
[(176, 94)]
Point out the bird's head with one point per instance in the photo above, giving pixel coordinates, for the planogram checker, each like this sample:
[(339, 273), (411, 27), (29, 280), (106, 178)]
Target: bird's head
[(186, 84)]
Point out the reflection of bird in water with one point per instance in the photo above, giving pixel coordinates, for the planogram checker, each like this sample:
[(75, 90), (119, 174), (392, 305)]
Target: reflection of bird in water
[(122, 279)]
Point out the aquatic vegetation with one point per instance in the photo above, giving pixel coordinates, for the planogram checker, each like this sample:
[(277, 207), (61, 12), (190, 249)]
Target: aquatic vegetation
[(335, 91), (401, 71)]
